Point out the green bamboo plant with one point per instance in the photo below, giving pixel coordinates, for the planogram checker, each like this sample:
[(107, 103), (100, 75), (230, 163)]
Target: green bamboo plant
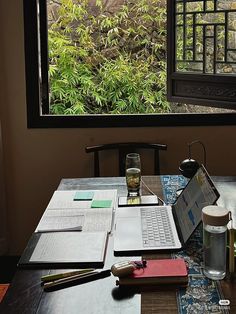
[(103, 63)]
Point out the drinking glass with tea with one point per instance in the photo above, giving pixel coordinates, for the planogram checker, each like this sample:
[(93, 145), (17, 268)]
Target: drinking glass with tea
[(133, 174)]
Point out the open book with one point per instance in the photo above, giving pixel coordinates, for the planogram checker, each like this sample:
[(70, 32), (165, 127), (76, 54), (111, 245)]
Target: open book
[(79, 210)]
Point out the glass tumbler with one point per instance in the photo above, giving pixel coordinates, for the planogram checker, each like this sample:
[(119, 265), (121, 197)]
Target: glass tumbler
[(133, 174)]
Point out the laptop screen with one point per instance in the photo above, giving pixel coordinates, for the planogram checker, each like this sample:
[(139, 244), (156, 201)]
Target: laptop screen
[(198, 193)]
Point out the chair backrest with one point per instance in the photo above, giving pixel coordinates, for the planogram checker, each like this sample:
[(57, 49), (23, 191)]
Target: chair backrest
[(123, 149)]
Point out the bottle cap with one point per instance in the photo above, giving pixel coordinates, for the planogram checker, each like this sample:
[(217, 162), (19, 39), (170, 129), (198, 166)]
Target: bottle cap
[(215, 215)]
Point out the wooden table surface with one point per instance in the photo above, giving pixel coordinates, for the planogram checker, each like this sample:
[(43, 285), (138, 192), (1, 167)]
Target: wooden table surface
[(26, 295)]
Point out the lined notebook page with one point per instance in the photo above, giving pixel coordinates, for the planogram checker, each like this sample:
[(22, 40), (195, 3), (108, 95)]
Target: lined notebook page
[(74, 247)]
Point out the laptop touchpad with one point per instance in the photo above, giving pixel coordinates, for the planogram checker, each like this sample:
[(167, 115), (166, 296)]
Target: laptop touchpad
[(127, 234)]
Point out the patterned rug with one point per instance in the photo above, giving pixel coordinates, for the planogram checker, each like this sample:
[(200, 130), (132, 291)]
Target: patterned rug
[(202, 294)]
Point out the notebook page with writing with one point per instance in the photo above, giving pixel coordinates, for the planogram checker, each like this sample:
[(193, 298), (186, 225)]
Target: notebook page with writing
[(69, 210), (97, 219), (65, 249), (66, 199), (60, 222)]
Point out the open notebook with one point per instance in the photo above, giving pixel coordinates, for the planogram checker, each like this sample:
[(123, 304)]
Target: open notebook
[(165, 227), (79, 210)]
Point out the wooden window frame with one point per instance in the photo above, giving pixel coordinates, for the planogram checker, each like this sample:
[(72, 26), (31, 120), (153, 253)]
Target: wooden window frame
[(37, 97), (213, 90)]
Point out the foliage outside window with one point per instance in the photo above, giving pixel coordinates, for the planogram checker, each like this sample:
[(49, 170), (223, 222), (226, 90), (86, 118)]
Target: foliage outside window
[(103, 63)]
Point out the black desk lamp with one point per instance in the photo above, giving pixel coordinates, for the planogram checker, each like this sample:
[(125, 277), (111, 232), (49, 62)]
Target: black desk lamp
[(189, 167)]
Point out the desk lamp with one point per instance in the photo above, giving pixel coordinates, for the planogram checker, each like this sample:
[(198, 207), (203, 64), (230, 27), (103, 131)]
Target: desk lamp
[(189, 166)]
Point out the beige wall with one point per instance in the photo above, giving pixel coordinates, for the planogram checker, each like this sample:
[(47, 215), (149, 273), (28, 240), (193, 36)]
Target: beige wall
[(36, 159)]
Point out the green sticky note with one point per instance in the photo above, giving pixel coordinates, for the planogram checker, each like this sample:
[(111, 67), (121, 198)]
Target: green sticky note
[(83, 196), (101, 203)]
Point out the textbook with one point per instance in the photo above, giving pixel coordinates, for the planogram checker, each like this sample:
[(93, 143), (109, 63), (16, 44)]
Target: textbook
[(158, 272)]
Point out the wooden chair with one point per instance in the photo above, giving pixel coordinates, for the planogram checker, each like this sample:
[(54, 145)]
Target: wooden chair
[(123, 149)]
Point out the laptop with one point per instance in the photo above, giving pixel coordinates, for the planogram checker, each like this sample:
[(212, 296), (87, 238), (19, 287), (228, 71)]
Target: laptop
[(165, 227)]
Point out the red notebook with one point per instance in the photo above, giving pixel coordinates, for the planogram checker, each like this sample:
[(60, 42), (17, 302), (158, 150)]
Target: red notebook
[(158, 272)]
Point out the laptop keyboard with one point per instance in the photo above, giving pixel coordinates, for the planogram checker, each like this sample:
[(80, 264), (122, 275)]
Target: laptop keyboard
[(156, 228)]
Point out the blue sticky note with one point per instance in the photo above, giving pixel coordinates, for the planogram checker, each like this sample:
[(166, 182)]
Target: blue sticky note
[(101, 203), (83, 195)]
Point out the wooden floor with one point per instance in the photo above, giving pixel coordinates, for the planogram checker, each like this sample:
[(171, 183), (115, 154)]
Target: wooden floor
[(8, 265)]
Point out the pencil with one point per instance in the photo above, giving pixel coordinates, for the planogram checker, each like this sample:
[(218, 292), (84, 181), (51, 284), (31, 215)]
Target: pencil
[(75, 279), (53, 277)]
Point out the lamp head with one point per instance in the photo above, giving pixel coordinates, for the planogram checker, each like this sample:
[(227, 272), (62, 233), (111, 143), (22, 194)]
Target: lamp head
[(189, 167)]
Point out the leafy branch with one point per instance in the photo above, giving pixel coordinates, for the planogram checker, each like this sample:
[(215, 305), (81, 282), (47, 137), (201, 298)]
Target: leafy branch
[(108, 63)]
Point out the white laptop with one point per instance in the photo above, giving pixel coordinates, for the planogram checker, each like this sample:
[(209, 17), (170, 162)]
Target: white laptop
[(164, 227)]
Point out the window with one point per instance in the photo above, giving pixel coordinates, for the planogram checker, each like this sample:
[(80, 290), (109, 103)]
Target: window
[(37, 87), (203, 67)]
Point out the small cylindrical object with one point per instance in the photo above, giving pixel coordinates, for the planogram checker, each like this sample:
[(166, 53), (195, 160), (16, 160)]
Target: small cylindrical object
[(215, 220), (122, 269)]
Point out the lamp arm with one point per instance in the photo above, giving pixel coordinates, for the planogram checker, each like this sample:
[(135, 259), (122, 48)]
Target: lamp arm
[(203, 146)]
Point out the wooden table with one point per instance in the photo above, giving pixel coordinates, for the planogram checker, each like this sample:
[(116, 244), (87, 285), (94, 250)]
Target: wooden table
[(26, 295)]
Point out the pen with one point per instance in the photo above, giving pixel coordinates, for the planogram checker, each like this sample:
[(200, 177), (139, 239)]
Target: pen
[(81, 278), (53, 277)]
